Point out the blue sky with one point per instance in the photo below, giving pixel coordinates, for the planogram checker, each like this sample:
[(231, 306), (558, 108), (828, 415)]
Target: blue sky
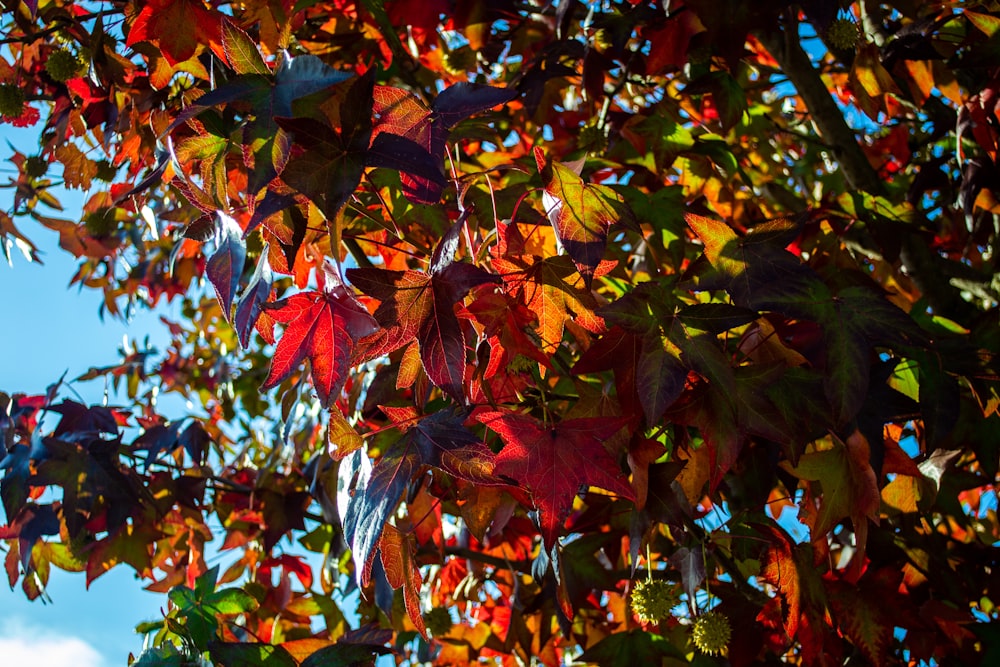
[(50, 328)]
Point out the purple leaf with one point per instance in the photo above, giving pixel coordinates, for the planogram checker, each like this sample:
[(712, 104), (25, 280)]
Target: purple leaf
[(254, 296), (458, 102), (424, 132), (226, 266), (330, 167), (444, 253), (301, 76), (442, 345), (272, 203)]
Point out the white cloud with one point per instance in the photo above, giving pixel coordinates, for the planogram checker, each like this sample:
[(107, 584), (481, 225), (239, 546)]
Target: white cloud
[(24, 645)]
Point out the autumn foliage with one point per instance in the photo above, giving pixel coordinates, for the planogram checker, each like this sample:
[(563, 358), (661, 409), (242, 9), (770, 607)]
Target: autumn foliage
[(626, 333)]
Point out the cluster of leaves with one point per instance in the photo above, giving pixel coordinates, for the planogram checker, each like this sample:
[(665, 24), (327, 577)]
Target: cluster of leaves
[(513, 304)]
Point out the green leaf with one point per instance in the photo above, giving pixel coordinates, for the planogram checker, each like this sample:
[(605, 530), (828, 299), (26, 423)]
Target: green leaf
[(231, 601), (720, 241), (377, 9), (161, 656), (848, 368), (330, 168), (658, 139), (801, 403), (182, 597), (250, 655), (730, 99), (762, 274), (630, 649), (243, 54), (855, 322), (714, 318), (754, 409), (659, 377), (849, 486), (204, 585), (344, 655)]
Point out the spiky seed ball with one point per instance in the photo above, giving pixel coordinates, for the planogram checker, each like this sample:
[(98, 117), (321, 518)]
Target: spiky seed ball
[(438, 621), (653, 600), (712, 632), (460, 61), (842, 34), (106, 171), (11, 100), (63, 65), (592, 138), (100, 224), (36, 166)]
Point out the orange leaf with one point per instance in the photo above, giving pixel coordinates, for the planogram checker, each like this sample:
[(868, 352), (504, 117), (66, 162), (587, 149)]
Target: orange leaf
[(402, 571), (178, 28)]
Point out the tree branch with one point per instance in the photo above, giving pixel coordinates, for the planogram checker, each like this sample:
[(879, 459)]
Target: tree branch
[(523, 566), (924, 268)]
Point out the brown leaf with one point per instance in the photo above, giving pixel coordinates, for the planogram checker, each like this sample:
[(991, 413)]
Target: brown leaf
[(78, 169)]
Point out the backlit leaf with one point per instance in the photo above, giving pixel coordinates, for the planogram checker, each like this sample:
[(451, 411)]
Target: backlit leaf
[(225, 267), (421, 307), (177, 27), (580, 213), (242, 52), (322, 327), (399, 115), (402, 572), (554, 463), (849, 487)]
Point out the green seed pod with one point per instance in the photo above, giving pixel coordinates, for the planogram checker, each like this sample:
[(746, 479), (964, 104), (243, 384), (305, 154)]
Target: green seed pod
[(36, 166), (100, 224), (63, 65), (438, 621), (842, 34), (653, 600), (11, 100), (712, 632)]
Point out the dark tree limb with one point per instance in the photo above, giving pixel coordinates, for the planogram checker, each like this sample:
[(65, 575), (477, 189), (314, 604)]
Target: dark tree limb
[(926, 269)]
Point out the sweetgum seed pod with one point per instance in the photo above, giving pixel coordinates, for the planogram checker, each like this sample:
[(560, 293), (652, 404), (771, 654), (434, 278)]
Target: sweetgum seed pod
[(11, 100), (712, 632), (36, 166), (438, 621), (63, 65), (842, 34), (653, 600)]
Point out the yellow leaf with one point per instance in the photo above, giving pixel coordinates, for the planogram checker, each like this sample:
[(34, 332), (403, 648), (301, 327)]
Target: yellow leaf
[(341, 436), (987, 23), (902, 494)]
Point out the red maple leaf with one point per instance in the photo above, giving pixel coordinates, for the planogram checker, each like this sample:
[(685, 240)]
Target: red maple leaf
[(324, 327), (420, 306), (405, 127), (178, 27), (555, 463)]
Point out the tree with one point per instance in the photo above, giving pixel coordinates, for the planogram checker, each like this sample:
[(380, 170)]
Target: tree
[(616, 332)]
